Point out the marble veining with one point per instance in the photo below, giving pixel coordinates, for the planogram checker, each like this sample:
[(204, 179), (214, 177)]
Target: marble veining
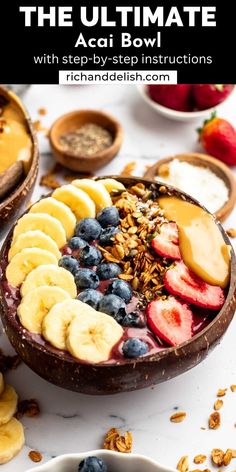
[(71, 422)]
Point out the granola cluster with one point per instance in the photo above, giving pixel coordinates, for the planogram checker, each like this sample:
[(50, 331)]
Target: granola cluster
[(115, 442), (141, 217)]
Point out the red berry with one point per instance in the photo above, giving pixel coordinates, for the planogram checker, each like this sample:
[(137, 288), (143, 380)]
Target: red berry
[(171, 320), (166, 243), (178, 97), (182, 282), (218, 138), (209, 95)]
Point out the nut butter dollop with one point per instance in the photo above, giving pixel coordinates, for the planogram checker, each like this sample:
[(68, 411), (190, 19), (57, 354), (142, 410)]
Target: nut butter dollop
[(15, 141), (201, 243)]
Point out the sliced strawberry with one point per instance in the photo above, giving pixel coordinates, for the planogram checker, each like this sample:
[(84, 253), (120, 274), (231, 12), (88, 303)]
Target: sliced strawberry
[(183, 282), (166, 243), (171, 320)]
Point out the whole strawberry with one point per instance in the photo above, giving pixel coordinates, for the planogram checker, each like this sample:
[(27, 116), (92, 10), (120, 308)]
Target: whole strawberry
[(218, 138), (210, 95), (178, 97)]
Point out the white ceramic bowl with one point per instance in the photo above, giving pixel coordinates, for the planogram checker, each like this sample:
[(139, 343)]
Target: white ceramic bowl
[(174, 114), (115, 461)]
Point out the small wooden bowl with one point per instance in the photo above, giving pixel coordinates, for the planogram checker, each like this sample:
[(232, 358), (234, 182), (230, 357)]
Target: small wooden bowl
[(216, 166), (70, 122), (63, 370), (12, 205)]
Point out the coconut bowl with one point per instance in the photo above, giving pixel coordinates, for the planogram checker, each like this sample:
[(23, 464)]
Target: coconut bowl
[(61, 369), (17, 199)]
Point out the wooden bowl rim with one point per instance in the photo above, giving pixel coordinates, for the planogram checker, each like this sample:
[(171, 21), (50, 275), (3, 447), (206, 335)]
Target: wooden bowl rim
[(201, 157), (178, 350), (35, 153), (117, 141)]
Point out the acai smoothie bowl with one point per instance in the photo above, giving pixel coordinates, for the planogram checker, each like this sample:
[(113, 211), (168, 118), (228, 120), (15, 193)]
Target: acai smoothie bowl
[(116, 284)]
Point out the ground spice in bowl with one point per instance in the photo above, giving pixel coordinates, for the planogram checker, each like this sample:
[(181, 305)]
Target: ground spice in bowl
[(87, 140)]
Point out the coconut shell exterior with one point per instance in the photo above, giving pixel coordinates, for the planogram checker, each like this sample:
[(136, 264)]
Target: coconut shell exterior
[(64, 371), (12, 205)]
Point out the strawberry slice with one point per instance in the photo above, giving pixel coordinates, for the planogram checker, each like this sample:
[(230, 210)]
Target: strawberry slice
[(171, 320), (183, 282), (166, 243)]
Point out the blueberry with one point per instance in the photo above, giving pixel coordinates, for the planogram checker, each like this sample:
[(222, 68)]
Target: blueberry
[(77, 243), (92, 464), (88, 229), (107, 236), (90, 256), (113, 306), (109, 217), (108, 270), (120, 288), (91, 297), (69, 263), (86, 278), (133, 320), (134, 347)]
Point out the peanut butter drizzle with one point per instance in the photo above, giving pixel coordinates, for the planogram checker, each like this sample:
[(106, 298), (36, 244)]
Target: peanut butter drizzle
[(15, 141), (201, 243)]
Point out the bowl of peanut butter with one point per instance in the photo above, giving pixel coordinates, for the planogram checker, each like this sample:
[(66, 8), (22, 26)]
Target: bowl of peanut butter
[(18, 157)]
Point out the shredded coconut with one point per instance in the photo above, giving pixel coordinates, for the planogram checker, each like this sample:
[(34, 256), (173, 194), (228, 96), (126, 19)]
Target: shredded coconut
[(199, 182)]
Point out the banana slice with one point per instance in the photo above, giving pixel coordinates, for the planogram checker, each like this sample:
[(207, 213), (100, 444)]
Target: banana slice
[(2, 385), (50, 275), (111, 185), (45, 223), (55, 324), (58, 210), (34, 239), (8, 404), (91, 338), (77, 200), (36, 305), (12, 440), (96, 191), (25, 261)]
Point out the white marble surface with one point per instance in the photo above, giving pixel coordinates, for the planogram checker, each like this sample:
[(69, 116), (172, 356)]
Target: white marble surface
[(71, 422)]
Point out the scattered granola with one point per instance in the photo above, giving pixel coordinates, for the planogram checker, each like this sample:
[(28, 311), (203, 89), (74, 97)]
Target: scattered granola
[(231, 232), (35, 456), (37, 124), (220, 457), (71, 177), (199, 459), (183, 464), (128, 169), (221, 392), (217, 456), (42, 111), (218, 404), (233, 388), (227, 457), (8, 362), (50, 179), (28, 408), (214, 420), (199, 470), (115, 442), (178, 417)]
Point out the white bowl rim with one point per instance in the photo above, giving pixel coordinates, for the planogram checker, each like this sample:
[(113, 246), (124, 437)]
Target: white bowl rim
[(124, 458), (169, 112)]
